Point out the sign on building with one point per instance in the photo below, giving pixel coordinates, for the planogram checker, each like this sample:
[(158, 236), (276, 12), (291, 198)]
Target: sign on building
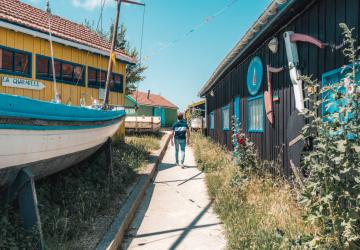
[(102, 94), (22, 83)]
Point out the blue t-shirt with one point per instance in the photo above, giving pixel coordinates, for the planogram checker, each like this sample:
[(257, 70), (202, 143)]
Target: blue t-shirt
[(180, 128)]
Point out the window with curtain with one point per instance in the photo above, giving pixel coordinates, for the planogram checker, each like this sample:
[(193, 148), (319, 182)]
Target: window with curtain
[(212, 120), (256, 114), (226, 117), (65, 72), (97, 79)]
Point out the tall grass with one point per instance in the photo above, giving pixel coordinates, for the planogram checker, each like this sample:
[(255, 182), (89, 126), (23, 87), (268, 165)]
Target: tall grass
[(151, 142), (260, 213), (72, 201)]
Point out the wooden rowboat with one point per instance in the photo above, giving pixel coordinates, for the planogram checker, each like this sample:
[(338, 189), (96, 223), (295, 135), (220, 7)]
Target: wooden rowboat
[(142, 123), (49, 137)]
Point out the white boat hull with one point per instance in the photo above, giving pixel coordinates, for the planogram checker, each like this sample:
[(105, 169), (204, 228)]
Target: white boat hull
[(18, 147), (39, 149)]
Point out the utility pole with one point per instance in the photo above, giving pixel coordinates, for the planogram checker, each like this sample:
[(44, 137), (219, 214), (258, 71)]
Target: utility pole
[(112, 49)]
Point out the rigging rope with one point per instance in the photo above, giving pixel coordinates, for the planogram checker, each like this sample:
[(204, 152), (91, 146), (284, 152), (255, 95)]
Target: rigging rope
[(103, 2), (141, 48), (56, 94)]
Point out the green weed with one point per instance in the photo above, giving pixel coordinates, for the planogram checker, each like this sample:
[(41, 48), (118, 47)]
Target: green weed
[(258, 212)]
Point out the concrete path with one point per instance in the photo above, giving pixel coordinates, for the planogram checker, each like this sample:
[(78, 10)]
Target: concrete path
[(176, 212)]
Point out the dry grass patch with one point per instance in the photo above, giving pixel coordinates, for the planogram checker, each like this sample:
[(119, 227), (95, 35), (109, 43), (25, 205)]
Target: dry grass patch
[(258, 212), (151, 142)]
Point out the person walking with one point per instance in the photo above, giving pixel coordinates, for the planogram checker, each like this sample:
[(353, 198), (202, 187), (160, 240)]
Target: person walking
[(181, 135)]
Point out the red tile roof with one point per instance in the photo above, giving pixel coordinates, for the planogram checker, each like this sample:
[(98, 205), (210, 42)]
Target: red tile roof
[(153, 100), (27, 16)]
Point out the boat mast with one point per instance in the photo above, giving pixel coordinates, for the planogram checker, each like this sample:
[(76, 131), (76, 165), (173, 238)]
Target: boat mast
[(112, 49), (110, 66)]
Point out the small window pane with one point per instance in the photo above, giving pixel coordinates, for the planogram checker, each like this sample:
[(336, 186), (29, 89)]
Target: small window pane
[(226, 118), (212, 120), (117, 78), (78, 74), (7, 60), (22, 64), (256, 115), (118, 83), (102, 78), (67, 72), (57, 69), (92, 81), (42, 67)]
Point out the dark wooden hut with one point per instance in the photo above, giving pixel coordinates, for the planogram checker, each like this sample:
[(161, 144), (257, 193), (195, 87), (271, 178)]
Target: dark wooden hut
[(239, 84)]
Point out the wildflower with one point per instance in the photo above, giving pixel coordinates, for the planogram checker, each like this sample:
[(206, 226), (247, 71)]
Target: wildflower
[(241, 141)]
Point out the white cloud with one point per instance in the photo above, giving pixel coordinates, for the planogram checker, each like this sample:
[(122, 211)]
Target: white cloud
[(89, 4)]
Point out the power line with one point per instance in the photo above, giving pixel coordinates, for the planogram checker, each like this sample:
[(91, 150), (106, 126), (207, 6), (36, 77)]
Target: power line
[(206, 21)]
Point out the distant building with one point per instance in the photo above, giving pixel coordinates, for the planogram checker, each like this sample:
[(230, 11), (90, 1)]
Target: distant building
[(198, 107), (195, 115), (151, 105)]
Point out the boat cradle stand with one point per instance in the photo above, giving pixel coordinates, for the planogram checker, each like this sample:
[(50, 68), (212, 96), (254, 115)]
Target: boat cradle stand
[(23, 189)]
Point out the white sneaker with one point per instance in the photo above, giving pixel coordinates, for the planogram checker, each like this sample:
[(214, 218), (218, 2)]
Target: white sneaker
[(182, 165)]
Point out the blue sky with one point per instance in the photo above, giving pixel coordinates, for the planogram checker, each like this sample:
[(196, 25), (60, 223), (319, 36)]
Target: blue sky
[(177, 71)]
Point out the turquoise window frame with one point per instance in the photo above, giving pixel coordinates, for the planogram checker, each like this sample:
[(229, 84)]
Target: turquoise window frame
[(328, 79), (12, 72), (262, 120), (50, 78), (226, 108), (237, 108), (212, 120)]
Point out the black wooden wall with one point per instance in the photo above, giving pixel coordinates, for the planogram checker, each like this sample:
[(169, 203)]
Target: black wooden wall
[(318, 18)]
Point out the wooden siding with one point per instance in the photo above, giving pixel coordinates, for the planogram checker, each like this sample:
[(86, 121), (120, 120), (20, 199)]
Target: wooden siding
[(318, 18), (69, 93)]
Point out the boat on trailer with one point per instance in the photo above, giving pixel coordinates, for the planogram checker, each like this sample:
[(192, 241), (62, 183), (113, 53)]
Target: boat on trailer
[(49, 137)]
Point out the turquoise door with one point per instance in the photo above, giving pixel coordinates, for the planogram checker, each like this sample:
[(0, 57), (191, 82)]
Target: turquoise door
[(159, 111)]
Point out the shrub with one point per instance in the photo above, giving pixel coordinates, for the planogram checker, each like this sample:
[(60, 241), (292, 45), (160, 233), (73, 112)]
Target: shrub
[(332, 190)]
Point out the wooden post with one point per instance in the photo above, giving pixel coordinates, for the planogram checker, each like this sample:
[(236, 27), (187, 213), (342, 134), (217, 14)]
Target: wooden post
[(108, 156), (152, 124), (23, 189)]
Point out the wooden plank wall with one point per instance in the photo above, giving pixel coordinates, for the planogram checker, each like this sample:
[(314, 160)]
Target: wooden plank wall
[(20, 41), (319, 19)]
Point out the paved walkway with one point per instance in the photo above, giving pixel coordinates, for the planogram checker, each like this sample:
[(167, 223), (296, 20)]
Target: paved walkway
[(176, 212)]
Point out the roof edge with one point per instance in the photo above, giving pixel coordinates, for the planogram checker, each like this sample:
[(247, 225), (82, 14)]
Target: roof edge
[(272, 12), (63, 41), (132, 99), (155, 105), (197, 103)]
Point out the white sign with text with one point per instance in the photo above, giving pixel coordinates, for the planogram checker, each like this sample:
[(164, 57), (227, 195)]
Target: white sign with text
[(102, 94), (22, 83)]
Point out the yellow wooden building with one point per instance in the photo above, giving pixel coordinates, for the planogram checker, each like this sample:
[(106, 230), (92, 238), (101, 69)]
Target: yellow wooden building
[(81, 58)]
